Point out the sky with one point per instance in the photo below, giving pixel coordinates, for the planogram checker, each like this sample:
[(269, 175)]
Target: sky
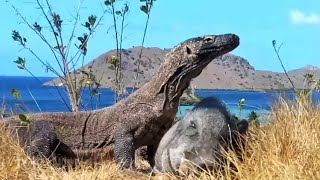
[(295, 23)]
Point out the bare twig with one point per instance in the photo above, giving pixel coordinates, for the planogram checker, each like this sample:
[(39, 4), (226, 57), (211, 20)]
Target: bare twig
[(74, 27), (52, 28), (72, 88), (142, 44), (90, 34), (43, 38), (277, 50), (125, 10), (117, 50), (34, 100), (54, 22)]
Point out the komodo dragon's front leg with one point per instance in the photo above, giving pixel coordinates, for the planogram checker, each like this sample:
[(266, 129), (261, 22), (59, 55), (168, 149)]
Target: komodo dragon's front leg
[(151, 151), (124, 148)]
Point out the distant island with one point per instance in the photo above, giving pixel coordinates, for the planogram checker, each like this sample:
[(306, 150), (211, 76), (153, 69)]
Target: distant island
[(226, 72)]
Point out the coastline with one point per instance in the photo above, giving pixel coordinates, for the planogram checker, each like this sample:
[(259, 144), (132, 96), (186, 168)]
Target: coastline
[(212, 89)]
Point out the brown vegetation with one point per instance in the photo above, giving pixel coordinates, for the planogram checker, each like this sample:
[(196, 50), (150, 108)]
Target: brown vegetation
[(286, 148)]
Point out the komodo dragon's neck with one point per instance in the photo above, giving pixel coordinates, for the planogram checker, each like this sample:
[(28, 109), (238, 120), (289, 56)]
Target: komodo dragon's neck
[(183, 63), (169, 86)]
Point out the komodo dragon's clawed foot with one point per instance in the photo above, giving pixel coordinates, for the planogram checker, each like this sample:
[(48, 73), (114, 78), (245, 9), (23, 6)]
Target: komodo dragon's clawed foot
[(147, 153), (124, 147)]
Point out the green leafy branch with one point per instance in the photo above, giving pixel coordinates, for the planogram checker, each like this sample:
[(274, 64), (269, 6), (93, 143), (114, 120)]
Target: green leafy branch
[(60, 50), (146, 8)]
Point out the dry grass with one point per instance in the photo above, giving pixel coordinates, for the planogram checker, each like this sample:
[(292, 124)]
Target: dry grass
[(287, 148)]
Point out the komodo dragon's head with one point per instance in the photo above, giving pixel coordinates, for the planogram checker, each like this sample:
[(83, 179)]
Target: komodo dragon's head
[(187, 60)]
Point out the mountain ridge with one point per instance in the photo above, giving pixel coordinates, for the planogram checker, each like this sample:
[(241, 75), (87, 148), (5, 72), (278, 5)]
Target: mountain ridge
[(228, 71)]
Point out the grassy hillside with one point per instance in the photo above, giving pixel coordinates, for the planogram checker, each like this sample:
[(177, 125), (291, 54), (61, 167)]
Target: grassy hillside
[(287, 148)]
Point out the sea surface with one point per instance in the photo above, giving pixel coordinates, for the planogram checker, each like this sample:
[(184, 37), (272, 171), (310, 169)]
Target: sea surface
[(37, 98)]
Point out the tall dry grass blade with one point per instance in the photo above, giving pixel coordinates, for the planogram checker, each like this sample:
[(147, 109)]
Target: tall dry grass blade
[(286, 148)]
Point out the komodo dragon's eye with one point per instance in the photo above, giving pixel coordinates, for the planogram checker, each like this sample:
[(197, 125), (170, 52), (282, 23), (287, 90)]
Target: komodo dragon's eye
[(207, 39), (193, 124)]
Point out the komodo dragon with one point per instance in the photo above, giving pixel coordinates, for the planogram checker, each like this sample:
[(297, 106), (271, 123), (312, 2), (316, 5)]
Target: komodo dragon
[(142, 118)]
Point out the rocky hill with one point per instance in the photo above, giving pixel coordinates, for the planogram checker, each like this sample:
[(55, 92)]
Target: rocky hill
[(226, 72)]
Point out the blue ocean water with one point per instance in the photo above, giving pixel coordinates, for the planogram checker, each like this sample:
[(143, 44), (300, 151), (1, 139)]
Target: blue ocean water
[(48, 98), (35, 98)]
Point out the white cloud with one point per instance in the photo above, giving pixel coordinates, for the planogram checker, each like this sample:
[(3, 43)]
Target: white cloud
[(299, 17)]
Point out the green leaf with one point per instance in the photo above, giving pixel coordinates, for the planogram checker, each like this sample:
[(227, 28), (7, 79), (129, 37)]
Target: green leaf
[(88, 82), (144, 8), (97, 84), (37, 27), (119, 13), (20, 60), (80, 39), (95, 92), (60, 47), (92, 19), (113, 60), (57, 21), (17, 37), (241, 103), (84, 72), (24, 119), (87, 25), (15, 93), (21, 63), (126, 8), (82, 81), (108, 2)]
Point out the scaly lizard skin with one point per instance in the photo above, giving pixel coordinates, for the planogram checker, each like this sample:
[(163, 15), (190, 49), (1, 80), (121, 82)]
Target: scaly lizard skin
[(142, 118), (39, 139)]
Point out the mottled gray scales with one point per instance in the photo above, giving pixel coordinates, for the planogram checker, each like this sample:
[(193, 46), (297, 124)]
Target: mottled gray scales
[(199, 138), (39, 139)]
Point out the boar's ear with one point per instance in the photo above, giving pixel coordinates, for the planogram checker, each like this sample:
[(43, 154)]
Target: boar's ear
[(235, 118), (243, 126)]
